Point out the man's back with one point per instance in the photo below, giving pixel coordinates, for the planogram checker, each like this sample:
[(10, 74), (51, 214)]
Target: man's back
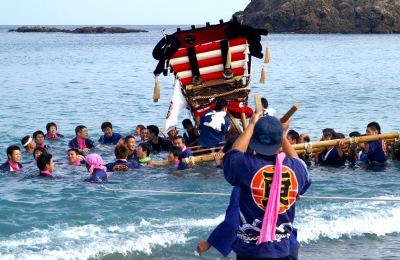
[(254, 174)]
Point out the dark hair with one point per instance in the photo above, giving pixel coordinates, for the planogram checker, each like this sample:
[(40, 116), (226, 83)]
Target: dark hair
[(44, 151), (294, 135), (339, 136), (146, 148), (25, 139), (179, 137), (129, 137), (176, 151), (43, 160), (12, 148), (264, 102), (186, 123), (221, 103), (37, 133), (229, 143), (50, 125), (75, 150), (121, 151), (329, 132), (354, 134), (106, 124), (374, 126), (141, 127), (79, 129), (153, 129), (307, 138)]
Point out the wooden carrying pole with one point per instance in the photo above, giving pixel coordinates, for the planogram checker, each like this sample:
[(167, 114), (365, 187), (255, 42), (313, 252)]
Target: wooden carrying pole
[(257, 99), (197, 159), (210, 157), (316, 147), (360, 139), (346, 149), (289, 113)]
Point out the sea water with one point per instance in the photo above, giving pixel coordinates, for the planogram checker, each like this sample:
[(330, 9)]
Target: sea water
[(340, 81)]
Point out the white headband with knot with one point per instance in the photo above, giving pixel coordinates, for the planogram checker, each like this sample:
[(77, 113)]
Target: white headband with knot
[(28, 142)]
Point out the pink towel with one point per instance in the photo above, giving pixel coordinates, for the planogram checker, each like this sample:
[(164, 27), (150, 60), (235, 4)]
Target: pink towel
[(268, 229), (48, 136), (81, 143), (95, 161), (14, 166)]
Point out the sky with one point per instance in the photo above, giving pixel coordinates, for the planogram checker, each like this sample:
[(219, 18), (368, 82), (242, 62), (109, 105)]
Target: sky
[(117, 12)]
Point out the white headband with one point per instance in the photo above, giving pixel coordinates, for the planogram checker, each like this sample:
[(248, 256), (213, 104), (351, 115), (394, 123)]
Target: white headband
[(28, 142)]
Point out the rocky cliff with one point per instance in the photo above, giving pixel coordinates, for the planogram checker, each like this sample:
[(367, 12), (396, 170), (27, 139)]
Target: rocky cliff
[(324, 16)]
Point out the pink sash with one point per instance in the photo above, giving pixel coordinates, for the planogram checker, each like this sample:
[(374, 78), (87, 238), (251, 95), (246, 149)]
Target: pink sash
[(81, 143), (46, 173), (268, 229), (14, 166), (49, 137)]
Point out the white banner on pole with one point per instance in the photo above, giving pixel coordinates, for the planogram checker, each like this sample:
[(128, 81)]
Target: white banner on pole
[(177, 105)]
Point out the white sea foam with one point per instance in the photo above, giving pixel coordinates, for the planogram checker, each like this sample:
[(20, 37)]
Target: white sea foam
[(350, 219), (66, 242), (330, 221)]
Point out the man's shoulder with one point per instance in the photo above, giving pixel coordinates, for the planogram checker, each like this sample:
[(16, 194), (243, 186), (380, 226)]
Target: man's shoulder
[(5, 166), (89, 141), (187, 153), (118, 135)]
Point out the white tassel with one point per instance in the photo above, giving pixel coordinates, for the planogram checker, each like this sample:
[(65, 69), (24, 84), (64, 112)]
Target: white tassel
[(228, 59), (246, 70), (267, 53), (246, 52), (263, 75), (244, 80), (157, 92)]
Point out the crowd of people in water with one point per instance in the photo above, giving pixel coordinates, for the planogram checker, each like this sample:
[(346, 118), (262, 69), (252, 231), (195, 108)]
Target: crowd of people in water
[(133, 151), (248, 160), (129, 155)]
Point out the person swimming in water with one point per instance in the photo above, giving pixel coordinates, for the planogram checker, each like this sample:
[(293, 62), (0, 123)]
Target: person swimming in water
[(143, 135), (81, 141), (138, 129), (14, 158), (75, 157), (130, 142), (45, 164), (28, 144), (178, 141), (38, 151), (121, 164), (191, 134), (38, 137), (94, 165), (175, 158), (109, 137), (143, 153), (51, 129)]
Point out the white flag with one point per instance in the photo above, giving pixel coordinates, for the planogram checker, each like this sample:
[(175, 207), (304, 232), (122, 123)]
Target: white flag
[(177, 105)]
